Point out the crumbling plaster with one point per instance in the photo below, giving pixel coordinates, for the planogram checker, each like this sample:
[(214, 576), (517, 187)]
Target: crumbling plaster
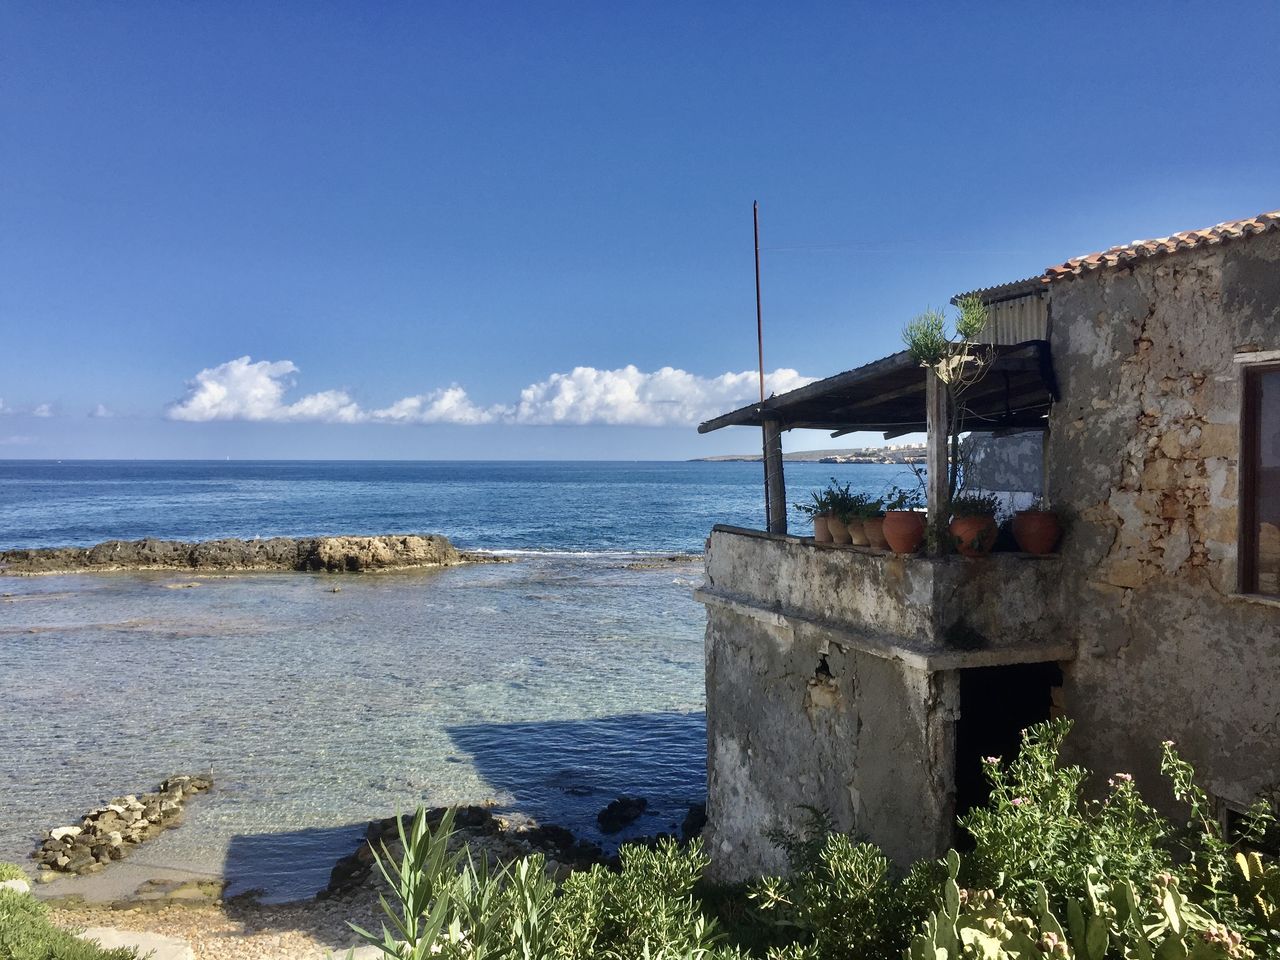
[(1143, 457), (832, 682), (793, 723)]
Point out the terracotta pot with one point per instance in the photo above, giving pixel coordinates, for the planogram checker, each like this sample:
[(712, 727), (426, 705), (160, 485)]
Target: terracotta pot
[(839, 532), (1037, 531), (974, 536), (857, 533), (873, 527), (904, 529), (820, 532)]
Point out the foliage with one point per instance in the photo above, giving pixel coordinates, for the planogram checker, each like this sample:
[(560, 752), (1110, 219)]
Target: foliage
[(1039, 829), (899, 499), (958, 361), (803, 848), (451, 906), (646, 909), (1108, 921), (926, 337), (11, 871), (840, 501), (975, 505), (847, 903), (818, 505), (1052, 873), (27, 934)]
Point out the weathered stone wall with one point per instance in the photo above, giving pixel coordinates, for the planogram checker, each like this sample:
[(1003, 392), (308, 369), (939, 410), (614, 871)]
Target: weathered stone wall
[(792, 722), (1143, 452), (914, 602), (832, 682)]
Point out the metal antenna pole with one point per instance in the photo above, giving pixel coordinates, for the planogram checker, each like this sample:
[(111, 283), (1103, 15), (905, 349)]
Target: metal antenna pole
[(775, 497), (755, 218)]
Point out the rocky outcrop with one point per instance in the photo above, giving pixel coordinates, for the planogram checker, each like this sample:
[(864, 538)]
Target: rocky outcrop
[(484, 834), (620, 813), (112, 831), (332, 554)]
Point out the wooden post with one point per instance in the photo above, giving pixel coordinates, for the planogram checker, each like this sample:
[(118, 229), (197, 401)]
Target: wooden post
[(775, 488), (936, 453)]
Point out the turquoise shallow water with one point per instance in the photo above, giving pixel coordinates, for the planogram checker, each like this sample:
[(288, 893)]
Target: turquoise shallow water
[(549, 685)]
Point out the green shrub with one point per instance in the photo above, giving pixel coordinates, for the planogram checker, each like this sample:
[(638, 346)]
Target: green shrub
[(27, 934), (848, 903), (1129, 884), (1039, 829), (452, 906), (9, 871)]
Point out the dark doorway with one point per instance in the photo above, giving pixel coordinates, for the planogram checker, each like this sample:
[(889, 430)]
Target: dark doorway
[(996, 705)]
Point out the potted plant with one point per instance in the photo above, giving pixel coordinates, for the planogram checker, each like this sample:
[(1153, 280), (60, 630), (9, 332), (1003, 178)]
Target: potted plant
[(973, 523), (860, 507), (818, 509), (840, 501), (1037, 529), (904, 523)]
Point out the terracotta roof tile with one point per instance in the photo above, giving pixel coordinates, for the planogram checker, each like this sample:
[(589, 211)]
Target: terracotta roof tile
[(1141, 249)]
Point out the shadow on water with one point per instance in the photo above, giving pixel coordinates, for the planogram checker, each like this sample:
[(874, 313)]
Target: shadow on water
[(562, 772), (565, 771), (291, 865)]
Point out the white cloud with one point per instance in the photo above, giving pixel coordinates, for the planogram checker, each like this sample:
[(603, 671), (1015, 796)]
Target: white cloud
[(450, 405), (242, 389), (666, 397), (44, 410), (100, 412)]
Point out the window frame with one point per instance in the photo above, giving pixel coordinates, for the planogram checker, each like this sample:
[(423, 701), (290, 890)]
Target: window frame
[(1251, 374)]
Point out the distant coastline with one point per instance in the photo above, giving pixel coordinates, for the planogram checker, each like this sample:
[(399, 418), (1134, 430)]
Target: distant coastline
[(904, 454)]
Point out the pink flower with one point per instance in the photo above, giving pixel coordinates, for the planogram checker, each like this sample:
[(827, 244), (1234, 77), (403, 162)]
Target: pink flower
[(1019, 801), (990, 759)]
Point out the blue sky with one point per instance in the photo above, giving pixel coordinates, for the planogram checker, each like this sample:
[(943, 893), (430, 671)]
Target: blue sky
[(478, 230)]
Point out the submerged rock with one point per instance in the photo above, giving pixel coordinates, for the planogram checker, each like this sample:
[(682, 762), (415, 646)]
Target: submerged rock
[(332, 554), (620, 813)]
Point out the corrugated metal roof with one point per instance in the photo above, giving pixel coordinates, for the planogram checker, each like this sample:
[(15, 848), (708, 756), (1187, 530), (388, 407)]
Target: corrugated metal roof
[(1004, 291), (889, 395)]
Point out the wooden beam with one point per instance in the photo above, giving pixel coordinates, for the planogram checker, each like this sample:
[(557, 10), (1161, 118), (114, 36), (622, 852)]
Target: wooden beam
[(936, 454), (775, 488)]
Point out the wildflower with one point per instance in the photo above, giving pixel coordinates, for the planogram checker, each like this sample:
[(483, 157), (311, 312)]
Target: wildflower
[(990, 760), (1019, 801)]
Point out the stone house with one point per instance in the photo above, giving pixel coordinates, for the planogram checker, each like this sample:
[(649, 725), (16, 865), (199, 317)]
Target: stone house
[(869, 685)]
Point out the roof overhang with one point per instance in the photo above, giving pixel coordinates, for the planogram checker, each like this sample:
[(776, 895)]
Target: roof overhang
[(888, 396)]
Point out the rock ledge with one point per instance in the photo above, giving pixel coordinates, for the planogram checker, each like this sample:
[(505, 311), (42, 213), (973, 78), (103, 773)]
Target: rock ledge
[(331, 554)]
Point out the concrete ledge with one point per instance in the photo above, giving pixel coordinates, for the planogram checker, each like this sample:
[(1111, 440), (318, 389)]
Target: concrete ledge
[(883, 646), (1003, 608)]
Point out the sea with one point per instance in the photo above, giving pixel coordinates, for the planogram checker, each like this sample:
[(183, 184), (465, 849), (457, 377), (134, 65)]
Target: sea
[(545, 686)]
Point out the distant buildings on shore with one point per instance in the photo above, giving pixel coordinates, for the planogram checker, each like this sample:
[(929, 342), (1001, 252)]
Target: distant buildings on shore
[(898, 453)]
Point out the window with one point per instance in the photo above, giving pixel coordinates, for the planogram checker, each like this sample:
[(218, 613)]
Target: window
[(1260, 482)]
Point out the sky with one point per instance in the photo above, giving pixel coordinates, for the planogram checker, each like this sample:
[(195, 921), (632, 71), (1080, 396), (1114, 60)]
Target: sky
[(478, 230)]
